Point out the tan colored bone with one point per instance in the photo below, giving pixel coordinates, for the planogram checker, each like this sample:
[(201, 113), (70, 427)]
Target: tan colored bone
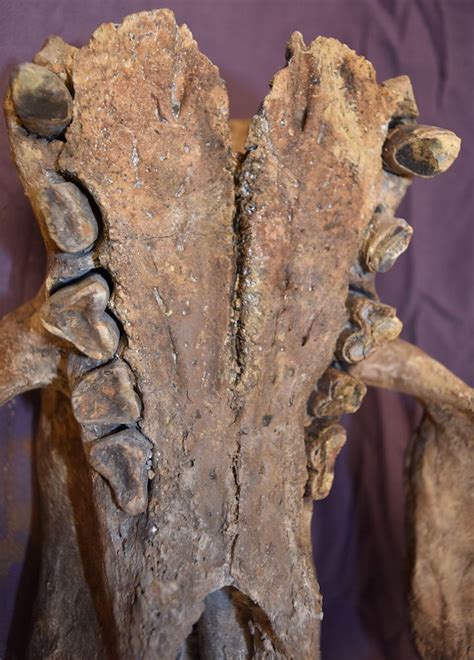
[(337, 393), (41, 100), (402, 98), (420, 150), (77, 313), (406, 368), (377, 325), (388, 238), (322, 450), (121, 459), (106, 395), (68, 217)]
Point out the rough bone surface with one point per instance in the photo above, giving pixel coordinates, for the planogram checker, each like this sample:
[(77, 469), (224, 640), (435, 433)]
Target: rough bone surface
[(198, 291)]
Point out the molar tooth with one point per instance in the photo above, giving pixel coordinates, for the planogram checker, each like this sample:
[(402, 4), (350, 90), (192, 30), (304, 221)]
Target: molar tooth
[(77, 313), (106, 395), (377, 325), (121, 458), (68, 217), (337, 393), (64, 267), (41, 100), (421, 150), (322, 449), (388, 238)]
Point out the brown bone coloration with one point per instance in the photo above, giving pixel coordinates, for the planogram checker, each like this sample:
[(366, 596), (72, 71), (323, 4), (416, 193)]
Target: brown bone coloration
[(440, 506), (196, 296)]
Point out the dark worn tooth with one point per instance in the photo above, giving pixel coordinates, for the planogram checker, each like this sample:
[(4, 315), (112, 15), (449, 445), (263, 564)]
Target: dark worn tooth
[(121, 459), (63, 268), (68, 217), (401, 97), (322, 450), (388, 237), (421, 150), (337, 393), (106, 395), (41, 100), (76, 313), (375, 323)]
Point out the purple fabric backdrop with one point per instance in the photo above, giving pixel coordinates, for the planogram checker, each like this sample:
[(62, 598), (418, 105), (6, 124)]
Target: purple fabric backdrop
[(359, 529)]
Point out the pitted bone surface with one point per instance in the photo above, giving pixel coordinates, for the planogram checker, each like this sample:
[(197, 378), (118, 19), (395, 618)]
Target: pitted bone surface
[(207, 367)]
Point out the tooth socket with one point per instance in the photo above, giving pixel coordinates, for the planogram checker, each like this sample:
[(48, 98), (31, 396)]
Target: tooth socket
[(401, 98), (322, 450), (77, 314), (424, 151), (372, 324), (121, 459), (337, 393), (106, 395), (41, 100), (68, 217), (388, 238)]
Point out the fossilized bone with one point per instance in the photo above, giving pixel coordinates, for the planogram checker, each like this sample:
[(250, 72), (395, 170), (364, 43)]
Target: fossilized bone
[(198, 329)]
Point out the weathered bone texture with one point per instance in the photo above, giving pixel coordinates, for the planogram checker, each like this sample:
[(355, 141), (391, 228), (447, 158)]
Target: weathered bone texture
[(199, 292), (440, 481), (28, 359)]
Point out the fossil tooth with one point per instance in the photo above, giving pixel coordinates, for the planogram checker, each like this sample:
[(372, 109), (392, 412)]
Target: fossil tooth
[(338, 393), (64, 267), (322, 450), (106, 395), (68, 217), (121, 459), (76, 313), (402, 98), (376, 324), (421, 150), (388, 238), (41, 100)]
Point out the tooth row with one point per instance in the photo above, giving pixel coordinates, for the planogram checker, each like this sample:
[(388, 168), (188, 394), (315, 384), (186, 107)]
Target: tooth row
[(409, 150), (103, 395)]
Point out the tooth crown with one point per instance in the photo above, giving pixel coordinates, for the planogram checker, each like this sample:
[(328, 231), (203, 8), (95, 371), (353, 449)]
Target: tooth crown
[(424, 151), (387, 239), (106, 395), (322, 450), (77, 313), (337, 393), (122, 458), (41, 100), (68, 216)]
